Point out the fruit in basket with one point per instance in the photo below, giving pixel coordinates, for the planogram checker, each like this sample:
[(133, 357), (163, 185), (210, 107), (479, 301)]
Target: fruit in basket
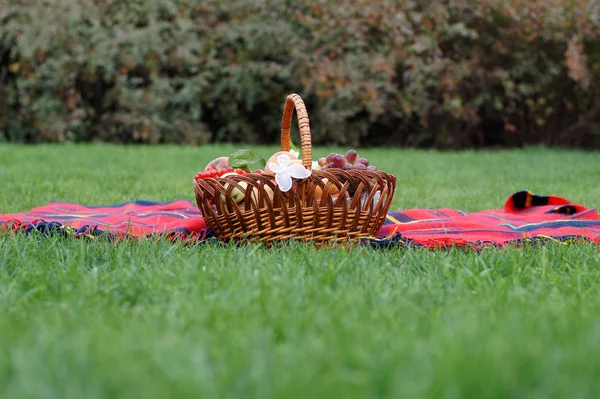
[(211, 173), (273, 159), (219, 163), (346, 162), (362, 161), (238, 195), (268, 190), (351, 156), (339, 161), (314, 165), (333, 190)]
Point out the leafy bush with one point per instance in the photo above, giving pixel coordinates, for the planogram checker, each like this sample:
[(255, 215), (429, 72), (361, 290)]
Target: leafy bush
[(456, 73)]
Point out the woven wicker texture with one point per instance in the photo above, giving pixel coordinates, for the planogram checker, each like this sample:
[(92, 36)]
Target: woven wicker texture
[(329, 206)]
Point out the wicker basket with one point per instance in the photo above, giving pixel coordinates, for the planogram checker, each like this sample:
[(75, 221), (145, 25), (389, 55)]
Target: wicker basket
[(329, 206)]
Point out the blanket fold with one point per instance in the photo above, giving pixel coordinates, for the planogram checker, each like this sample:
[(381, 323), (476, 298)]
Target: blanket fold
[(525, 217)]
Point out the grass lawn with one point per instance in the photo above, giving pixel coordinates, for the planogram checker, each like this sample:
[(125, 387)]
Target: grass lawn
[(154, 319)]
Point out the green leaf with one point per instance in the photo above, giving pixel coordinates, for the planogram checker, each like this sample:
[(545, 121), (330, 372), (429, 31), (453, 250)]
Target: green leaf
[(244, 159)]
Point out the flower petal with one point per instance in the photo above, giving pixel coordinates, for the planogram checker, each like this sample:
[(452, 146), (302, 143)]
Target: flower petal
[(284, 181), (283, 160), (275, 168), (295, 153), (297, 171)]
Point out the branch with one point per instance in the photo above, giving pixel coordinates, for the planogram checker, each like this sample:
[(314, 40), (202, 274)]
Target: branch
[(8, 14), (583, 121)]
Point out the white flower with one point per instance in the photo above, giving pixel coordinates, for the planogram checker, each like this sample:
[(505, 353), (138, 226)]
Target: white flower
[(295, 153), (315, 165), (284, 172)]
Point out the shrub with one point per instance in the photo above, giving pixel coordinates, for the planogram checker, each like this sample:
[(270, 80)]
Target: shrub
[(457, 73)]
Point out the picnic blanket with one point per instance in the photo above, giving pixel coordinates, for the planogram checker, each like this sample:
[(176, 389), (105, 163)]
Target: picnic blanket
[(525, 217)]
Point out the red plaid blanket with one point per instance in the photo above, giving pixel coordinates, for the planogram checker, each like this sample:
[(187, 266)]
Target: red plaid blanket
[(525, 217)]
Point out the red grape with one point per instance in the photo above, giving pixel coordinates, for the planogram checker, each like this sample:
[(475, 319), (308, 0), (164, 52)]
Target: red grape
[(351, 156), (339, 161), (363, 161), (350, 161), (329, 158)]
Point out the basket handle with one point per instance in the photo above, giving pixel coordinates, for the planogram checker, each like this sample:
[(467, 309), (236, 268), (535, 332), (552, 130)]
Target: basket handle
[(294, 101)]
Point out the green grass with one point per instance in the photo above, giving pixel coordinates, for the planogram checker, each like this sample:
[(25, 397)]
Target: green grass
[(150, 319)]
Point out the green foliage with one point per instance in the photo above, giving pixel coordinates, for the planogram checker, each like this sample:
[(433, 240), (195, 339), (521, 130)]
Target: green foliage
[(450, 74), (246, 160)]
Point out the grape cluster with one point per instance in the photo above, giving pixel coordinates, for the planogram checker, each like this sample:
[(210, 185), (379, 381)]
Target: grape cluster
[(349, 161)]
